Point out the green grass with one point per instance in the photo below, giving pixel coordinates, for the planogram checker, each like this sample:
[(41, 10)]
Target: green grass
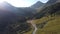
[(52, 26)]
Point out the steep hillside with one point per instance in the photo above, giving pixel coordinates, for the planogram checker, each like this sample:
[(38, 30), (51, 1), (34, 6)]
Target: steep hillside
[(50, 10), (48, 24), (46, 20), (10, 21), (26, 12)]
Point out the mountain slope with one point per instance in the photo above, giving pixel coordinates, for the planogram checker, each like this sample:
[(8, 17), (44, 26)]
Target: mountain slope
[(52, 23), (37, 4), (50, 2), (46, 23), (8, 7)]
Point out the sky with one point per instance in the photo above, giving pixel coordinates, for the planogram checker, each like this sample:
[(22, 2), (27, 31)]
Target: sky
[(23, 3)]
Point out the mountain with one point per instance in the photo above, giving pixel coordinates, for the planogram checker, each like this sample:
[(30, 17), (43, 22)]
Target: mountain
[(8, 6), (21, 12), (50, 2), (47, 20), (11, 16), (6, 19), (26, 12), (37, 4), (49, 10), (50, 16)]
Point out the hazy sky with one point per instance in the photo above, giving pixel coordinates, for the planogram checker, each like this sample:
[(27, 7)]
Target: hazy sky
[(23, 3)]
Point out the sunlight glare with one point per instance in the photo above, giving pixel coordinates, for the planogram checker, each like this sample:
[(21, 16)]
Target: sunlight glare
[(19, 3), (22, 3), (1, 1)]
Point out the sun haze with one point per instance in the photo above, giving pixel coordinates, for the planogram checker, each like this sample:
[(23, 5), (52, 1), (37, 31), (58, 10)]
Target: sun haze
[(22, 3)]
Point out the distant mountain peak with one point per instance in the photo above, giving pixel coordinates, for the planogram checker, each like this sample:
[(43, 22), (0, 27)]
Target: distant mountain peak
[(6, 3), (51, 2), (37, 4)]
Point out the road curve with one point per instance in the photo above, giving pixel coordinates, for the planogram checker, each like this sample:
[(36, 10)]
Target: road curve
[(34, 26)]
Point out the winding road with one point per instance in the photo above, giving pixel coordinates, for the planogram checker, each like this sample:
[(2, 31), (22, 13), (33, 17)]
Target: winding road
[(34, 26)]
